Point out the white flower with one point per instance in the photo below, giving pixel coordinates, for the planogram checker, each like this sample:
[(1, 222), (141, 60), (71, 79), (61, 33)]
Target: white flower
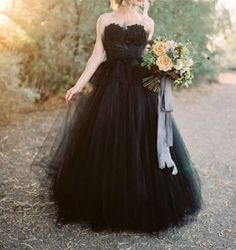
[(189, 63), (171, 45), (183, 70), (179, 65)]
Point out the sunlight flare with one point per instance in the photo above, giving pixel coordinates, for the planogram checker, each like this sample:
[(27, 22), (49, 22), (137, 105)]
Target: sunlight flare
[(4, 6)]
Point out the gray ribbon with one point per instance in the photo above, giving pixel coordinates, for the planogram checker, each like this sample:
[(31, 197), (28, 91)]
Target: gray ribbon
[(164, 126)]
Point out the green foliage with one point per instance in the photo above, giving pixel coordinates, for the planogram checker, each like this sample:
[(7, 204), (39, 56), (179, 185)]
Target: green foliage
[(89, 12), (197, 21), (50, 56), (148, 59), (9, 69), (56, 38), (49, 41), (194, 20)]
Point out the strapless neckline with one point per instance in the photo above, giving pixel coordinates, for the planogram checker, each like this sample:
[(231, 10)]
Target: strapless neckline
[(127, 26)]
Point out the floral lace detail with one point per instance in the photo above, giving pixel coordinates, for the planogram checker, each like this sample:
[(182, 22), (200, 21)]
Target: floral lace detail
[(124, 42)]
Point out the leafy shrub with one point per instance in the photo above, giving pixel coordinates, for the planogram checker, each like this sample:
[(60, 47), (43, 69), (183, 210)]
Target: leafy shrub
[(55, 38), (197, 21)]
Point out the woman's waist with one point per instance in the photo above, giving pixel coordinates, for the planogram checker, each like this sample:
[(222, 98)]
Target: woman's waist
[(124, 53), (127, 60), (121, 67)]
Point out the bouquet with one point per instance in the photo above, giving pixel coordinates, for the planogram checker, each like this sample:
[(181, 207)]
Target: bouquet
[(167, 58)]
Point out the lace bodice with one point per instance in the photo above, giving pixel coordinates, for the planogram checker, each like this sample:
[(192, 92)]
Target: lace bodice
[(124, 42)]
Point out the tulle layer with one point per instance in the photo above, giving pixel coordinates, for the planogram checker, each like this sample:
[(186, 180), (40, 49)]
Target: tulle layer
[(102, 167)]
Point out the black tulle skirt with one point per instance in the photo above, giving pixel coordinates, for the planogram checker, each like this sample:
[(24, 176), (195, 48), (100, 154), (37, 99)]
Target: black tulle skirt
[(101, 164)]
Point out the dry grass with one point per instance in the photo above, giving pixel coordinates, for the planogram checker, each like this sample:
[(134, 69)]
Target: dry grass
[(13, 105)]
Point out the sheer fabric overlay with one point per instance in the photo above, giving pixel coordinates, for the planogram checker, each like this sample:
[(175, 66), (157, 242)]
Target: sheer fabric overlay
[(99, 164)]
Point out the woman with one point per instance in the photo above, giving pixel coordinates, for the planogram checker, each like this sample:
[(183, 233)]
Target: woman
[(103, 169)]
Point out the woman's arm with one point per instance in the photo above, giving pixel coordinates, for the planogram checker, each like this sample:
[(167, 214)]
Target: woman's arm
[(151, 25), (93, 62)]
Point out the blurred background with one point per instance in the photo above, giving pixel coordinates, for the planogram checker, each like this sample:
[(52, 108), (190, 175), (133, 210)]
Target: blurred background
[(44, 45)]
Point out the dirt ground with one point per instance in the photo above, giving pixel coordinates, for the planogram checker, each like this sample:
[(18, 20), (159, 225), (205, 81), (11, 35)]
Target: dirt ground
[(205, 115)]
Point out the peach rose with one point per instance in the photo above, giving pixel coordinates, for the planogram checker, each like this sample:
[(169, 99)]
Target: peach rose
[(164, 63), (159, 48)]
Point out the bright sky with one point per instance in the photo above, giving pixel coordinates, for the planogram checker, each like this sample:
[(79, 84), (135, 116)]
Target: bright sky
[(4, 4), (231, 6), (229, 3)]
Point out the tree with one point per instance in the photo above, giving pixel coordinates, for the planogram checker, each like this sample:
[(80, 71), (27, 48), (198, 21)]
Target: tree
[(57, 36)]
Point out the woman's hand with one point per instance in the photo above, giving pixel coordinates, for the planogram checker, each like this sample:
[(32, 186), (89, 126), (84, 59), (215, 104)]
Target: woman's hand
[(72, 93)]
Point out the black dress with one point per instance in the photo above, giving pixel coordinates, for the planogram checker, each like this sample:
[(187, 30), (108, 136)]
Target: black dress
[(102, 169)]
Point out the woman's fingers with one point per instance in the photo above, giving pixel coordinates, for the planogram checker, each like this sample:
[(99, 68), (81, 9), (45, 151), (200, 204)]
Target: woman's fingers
[(70, 94), (67, 94), (70, 97)]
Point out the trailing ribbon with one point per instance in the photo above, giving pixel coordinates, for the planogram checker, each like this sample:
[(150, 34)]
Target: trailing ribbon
[(164, 126)]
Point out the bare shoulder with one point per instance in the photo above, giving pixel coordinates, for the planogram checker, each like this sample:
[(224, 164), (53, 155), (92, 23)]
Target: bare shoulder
[(102, 21), (104, 18), (149, 26)]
